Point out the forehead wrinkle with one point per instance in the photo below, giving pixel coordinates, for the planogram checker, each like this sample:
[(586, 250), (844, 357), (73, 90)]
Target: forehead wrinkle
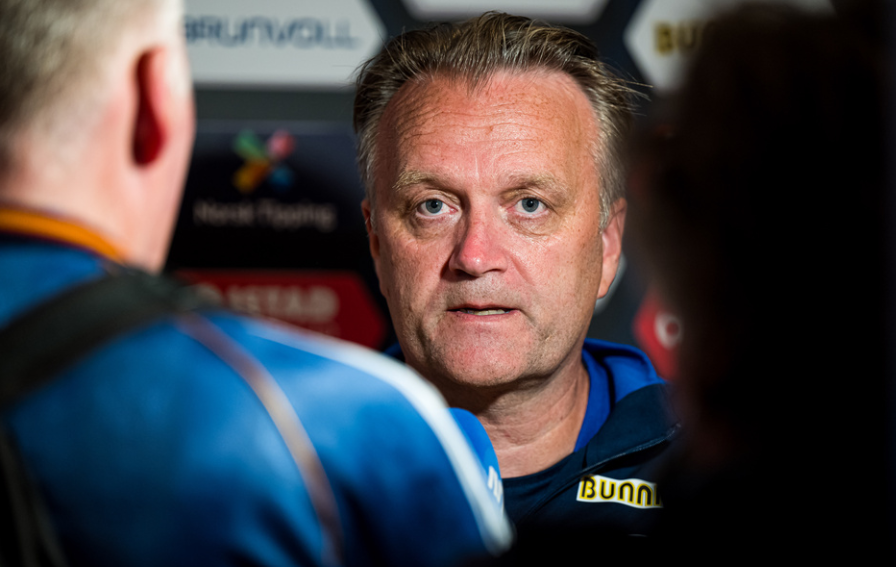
[(419, 105), (423, 104), (411, 117)]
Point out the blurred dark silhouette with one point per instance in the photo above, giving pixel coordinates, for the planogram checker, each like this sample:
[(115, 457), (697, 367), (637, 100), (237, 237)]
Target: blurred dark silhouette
[(760, 204)]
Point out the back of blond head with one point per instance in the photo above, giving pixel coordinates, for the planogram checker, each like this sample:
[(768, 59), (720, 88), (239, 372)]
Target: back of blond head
[(53, 50), (474, 50)]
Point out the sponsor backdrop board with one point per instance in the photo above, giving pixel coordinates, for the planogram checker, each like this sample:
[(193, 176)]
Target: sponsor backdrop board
[(269, 43), (271, 220), (271, 224)]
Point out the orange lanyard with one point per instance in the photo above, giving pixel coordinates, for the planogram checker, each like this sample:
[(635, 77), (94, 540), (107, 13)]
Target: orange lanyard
[(40, 225)]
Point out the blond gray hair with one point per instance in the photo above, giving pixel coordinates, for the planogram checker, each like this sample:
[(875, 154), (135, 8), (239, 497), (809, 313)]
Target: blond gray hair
[(474, 50), (53, 48)]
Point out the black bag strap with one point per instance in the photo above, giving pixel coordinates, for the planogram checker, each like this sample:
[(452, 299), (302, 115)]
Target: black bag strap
[(39, 344)]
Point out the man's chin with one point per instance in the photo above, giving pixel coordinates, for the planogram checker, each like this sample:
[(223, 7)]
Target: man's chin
[(482, 372)]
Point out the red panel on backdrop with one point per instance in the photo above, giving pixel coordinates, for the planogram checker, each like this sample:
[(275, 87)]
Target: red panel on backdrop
[(333, 302), (658, 332)]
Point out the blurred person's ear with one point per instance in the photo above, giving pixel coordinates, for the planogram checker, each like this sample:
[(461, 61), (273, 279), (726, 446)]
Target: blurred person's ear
[(160, 128), (154, 114)]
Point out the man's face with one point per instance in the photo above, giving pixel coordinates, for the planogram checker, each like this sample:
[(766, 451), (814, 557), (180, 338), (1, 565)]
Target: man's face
[(485, 234)]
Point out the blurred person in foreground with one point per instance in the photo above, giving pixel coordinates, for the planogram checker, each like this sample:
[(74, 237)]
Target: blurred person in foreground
[(761, 203), (200, 437), (495, 210)]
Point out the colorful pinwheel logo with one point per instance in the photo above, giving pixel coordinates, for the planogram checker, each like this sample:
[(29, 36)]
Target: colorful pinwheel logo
[(263, 161)]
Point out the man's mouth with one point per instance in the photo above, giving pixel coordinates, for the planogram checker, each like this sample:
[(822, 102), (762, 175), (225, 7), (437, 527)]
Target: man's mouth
[(480, 312)]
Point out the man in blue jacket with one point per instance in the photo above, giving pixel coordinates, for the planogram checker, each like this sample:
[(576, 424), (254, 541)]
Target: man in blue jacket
[(489, 151), (199, 437)]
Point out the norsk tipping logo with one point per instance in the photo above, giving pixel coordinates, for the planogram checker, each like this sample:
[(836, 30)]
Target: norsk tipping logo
[(262, 161)]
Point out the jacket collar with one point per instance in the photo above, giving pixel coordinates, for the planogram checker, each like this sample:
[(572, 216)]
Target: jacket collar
[(639, 421)]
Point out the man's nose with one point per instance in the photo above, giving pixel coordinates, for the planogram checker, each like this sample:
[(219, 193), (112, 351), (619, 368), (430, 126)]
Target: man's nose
[(480, 248)]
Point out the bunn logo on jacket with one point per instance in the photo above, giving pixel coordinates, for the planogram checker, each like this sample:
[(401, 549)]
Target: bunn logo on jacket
[(629, 491)]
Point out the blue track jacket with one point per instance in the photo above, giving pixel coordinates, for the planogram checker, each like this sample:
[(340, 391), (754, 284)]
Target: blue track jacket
[(608, 484), (153, 451)]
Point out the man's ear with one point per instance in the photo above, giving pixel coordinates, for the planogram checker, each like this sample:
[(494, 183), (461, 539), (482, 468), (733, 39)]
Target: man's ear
[(612, 244), (371, 234), (151, 123)]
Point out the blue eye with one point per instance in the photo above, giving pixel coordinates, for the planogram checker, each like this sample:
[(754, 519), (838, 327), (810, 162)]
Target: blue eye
[(530, 204), (432, 206)]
